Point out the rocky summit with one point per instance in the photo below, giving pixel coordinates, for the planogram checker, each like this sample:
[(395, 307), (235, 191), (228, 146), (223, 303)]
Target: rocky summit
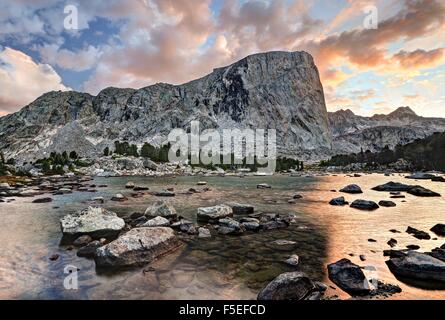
[(274, 90)]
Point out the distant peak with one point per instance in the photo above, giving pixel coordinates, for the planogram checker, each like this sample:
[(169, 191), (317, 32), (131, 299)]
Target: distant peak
[(403, 111), (346, 112)]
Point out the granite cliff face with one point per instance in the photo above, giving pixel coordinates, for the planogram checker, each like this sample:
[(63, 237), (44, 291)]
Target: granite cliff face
[(351, 132), (275, 90)]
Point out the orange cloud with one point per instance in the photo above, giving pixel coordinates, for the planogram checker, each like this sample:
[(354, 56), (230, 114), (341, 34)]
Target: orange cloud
[(420, 58)]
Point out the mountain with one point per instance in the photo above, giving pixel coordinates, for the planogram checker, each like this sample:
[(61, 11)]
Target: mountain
[(274, 90), (352, 133)]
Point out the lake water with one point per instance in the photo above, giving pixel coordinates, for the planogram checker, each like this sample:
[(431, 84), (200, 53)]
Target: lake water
[(223, 267)]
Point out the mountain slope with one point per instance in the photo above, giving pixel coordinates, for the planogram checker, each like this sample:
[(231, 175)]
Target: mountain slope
[(275, 90), (351, 132)]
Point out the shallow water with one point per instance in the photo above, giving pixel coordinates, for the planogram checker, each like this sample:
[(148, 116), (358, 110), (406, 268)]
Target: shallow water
[(223, 267)]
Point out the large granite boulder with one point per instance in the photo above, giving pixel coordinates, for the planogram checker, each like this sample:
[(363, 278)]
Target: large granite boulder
[(161, 209), (352, 188), (289, 286), (418, 266), (137, 247), (213, 214), (392, 187), (94, 222), (364, 205), (349, 277)]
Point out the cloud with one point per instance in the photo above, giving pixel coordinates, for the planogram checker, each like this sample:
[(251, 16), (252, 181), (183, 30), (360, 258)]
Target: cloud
[(420, 58), (80, 60), (22, 80)]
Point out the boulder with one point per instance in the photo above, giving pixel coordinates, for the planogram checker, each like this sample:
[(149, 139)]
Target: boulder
[(438, 179), (213, 214), (98, 199), (340, 201), (421, 176), (392, 242), (437, 253), (119, 197), (204, 233), (283, 245), (387, 203), (289, 286), (148, 164), (42, 200), (422, 235), (393, 187), (82, 241), (349, 277), (89, 251), (352, 188), (95, 222), (422, 192), (263, 186), (156, 222), (201, 183), (141, 188), (137, 247), (418, 266), (293, 260), (239, 208), (230, 226), (439, 229), (4, 186), (364, 205), (164, 193), (161, 209)]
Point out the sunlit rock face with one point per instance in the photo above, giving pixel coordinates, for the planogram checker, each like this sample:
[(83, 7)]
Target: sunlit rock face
[(274, 90), (353, 133)]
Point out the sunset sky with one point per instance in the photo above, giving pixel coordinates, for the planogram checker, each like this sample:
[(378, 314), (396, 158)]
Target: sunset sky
[(135, 43)]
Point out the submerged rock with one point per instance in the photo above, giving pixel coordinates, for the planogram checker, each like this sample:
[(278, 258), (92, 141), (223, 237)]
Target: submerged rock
[(164, 193), (230, 226), (349, 277), (82, 241), (42, 200), (422, 235), (418, 266), (392, 242), (439, 229), (289, 286), (393, 187), (364, 205), (263, 186), (421, 176), (161, 209), (89, 251), (422, 192), (137, 247), (293, 260), (213, 214), (95, 222), (386, 203), (340, 201), (352, 188)]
